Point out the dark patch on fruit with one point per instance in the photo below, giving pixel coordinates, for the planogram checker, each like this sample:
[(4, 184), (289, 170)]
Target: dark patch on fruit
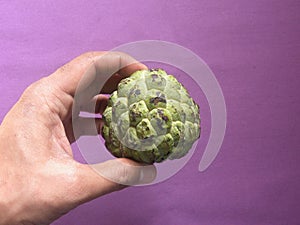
[(137, 92), (156, 100), (162, 115), (165, 118), (154, 77), (133, 90)]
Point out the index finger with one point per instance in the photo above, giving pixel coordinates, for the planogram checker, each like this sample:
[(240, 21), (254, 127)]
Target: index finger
[(92, 70)]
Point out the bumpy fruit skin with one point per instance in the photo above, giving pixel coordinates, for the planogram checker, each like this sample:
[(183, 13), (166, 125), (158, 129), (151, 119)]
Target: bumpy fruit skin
[(150, 117)]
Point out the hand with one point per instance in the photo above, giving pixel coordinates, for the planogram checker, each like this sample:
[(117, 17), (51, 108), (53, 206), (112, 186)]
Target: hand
[(39, 179)]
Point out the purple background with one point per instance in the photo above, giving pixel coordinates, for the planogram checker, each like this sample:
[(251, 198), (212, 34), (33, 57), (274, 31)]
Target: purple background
[(253, 49)]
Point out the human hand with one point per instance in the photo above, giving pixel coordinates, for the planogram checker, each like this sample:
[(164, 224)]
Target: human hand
[(39, 179)]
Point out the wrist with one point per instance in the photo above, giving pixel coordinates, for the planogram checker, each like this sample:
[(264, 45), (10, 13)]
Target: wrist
[(14, 208), (8, 210), (11, 189)]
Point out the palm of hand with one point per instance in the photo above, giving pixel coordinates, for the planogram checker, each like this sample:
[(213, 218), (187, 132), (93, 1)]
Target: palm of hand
[(36, 160)]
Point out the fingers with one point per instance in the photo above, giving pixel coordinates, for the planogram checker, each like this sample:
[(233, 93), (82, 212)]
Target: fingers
[(92, 70), (96, 105), (85, 76), (85, 127), (113, 175), (112, 83)]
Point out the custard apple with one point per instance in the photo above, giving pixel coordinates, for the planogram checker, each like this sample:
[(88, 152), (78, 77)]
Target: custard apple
[(150, 117)]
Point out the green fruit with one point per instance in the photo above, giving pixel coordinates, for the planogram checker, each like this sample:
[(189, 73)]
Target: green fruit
[(150, 117)]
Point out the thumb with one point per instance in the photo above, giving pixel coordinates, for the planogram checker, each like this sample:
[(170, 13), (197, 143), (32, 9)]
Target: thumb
[(113, 175)]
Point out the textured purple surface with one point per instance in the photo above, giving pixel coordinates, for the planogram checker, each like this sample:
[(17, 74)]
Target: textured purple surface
[(252, 47)]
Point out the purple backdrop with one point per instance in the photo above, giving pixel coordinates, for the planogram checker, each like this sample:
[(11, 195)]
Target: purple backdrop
[(253, 49)]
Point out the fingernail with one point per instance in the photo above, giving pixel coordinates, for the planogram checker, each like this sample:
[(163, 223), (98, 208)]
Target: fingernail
[(147, 174)]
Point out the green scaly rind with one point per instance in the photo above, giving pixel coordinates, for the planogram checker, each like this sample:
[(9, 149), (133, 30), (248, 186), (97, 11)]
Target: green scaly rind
[(150, 117)]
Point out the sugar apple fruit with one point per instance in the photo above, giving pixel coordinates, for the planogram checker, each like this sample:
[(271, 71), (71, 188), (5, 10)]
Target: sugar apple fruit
[(150, 117)]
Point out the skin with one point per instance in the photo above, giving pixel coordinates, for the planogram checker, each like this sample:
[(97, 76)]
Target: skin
[(39, 179)]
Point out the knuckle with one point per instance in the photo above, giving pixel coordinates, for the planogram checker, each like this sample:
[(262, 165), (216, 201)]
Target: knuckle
[(63, 69), (127, 175), (36, 87), (91, 55)]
